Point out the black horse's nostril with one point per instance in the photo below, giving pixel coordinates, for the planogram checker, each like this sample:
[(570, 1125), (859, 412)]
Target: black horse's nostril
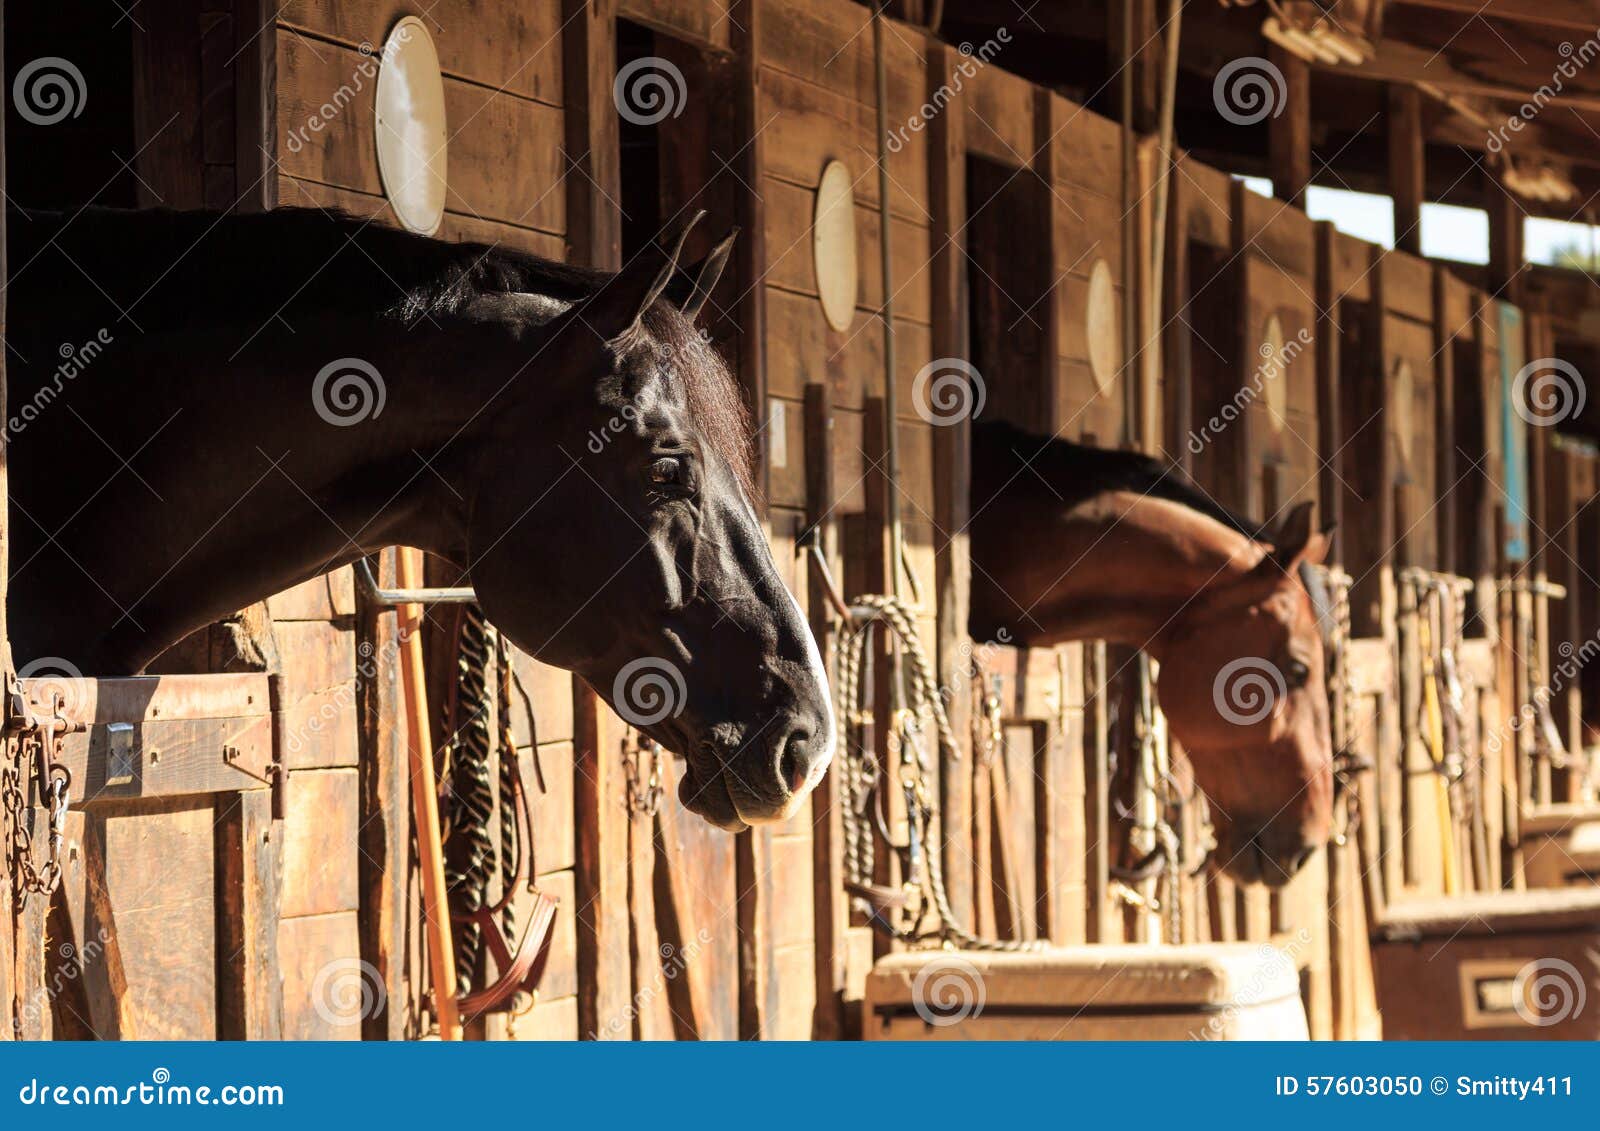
[(794, 763)]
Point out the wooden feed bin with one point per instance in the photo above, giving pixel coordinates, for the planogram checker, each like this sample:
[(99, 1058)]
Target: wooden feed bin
[(1491, 966), (1561, 845), (1210, 991)]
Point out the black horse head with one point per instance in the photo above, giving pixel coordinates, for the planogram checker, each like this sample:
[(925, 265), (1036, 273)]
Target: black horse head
[(670, 605)]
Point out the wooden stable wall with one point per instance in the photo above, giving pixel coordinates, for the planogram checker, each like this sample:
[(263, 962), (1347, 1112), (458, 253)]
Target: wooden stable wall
[(1388, 391)]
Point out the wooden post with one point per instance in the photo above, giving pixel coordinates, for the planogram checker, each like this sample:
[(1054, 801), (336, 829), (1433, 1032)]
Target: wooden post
[(425, 803), (1444, 423), (1505, 239), (952, 457), (1407, 175), (1289, 132), (385, 840)]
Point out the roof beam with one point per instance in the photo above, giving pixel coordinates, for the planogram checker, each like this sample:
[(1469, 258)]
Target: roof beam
[(1569, 15)]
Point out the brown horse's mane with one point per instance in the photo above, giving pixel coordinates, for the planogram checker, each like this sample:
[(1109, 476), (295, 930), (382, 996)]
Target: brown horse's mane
[(157, 269)]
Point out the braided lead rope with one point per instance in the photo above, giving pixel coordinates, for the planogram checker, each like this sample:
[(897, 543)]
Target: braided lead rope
[(470, 863), (861, 778)]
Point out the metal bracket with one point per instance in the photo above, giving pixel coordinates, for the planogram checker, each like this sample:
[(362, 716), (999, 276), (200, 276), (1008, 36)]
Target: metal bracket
[(464, 595)]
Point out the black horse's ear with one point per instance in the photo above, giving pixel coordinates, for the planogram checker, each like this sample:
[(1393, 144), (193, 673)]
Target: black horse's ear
[(615, 310), (1290, 538), (692, 285)]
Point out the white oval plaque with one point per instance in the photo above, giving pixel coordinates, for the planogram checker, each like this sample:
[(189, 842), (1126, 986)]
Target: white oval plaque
[(411, 127)]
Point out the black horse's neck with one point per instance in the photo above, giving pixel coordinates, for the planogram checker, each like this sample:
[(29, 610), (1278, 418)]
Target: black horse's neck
[(172, 455), (1003, 454)]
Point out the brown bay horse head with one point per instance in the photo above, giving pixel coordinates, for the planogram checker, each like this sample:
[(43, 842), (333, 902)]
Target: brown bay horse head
[(1078, 543), (206, 409)]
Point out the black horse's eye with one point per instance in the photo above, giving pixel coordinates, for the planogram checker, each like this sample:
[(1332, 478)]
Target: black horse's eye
[(667, 472), (1296, 674)]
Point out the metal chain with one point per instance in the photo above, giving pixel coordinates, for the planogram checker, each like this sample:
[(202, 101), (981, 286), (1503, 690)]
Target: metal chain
[(643, 785), (37, 749)]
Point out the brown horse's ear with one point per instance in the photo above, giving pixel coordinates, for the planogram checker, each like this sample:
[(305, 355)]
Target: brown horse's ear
[(692, 285), (1292, 538), (615, 310)]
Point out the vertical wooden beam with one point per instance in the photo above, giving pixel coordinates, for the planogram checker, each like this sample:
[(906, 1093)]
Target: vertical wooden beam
[(593, 171), (1407, 174), (382, 867), (1048, 114), (255, 30), (8, 1001), (952, 459), (1329, 425), (594, 237), (1289, 132), (1505, 239), (1444, 424), (830, 909), (749, 160), (249, 869), (753, 849), (1178, 344)]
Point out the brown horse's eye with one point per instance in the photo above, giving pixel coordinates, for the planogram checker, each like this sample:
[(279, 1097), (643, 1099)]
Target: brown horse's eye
[(666, 472), (1296, 674)]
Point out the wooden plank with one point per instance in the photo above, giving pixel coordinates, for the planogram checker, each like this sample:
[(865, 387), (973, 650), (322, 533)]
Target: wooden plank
[(383, 835), (498, 44), (249, 866), (320, 826), (256, 104), (602, 865), (1407, 174), (592, 177), (515, 184), (829, 909), (952, 473), (163, 918), (325, 989), (1289, 129)]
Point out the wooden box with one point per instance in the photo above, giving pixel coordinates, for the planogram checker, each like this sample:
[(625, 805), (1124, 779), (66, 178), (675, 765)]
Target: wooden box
[(1561, 845), (1221, 991), (1491, 966)]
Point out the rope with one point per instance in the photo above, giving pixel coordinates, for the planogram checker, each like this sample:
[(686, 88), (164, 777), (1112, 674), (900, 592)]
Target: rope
[(480, 718), (921, 861)]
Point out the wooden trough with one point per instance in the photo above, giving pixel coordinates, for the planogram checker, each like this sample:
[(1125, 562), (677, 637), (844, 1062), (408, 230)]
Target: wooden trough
[(1207, 992)]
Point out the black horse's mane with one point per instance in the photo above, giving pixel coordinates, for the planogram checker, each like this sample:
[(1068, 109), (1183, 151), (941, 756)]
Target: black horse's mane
[(1081, 471), (166, 270)]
